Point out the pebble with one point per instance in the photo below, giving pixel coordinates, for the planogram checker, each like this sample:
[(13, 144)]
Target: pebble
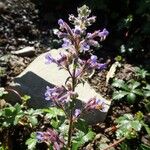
[(27, 51)]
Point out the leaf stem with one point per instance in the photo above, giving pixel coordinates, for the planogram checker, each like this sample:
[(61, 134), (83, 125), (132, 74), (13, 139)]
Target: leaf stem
[(115, 143)]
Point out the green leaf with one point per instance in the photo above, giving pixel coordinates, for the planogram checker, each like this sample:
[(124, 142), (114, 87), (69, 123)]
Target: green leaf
[(147, 93), (53, 112), (119, 95), (144, 147), (118, 83), (54, 123), (9, 111), (147, 128), (136, 125), (33, 120), (131, 97), (31, 144), (2, 91), (89, 136), (82, 139), (82, 125), (25, 98), (17, 118), (32, 141), (138, 92), (135, 84)]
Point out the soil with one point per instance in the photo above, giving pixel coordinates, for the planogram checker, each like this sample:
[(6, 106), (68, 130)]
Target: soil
[(20, 26)]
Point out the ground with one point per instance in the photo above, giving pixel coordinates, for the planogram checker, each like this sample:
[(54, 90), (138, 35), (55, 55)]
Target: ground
[(17, 32)]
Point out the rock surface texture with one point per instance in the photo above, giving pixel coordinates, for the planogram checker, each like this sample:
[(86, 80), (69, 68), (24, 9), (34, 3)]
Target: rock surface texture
[(34, 79)]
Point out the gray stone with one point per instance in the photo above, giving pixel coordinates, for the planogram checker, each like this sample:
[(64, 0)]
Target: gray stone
[(34, 79), (27, 51)]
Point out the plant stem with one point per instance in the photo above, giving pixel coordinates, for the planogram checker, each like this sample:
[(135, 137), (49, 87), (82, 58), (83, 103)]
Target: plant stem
[(115, 143), (71, 111), (70, 130)]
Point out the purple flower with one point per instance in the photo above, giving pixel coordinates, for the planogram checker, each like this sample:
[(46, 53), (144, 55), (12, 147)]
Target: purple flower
[(92, 35), (91, 19), (40, 136), (103, 34), (77, 113), (58, 95), (49, 58), (95, 103), (93, 43), (77, 30), (62, 57), (93, 58), (89, 35), (60, 22), (93, 64), (84, 47), (101, 66), (53, 93), (61, 34), (51, 136), (66, 43), (101, 105)]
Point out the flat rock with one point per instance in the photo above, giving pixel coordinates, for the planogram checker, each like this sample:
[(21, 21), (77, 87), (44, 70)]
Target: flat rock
[(27, 51), (34, 79)]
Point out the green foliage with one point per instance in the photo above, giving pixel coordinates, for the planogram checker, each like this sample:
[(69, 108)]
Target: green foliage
[(13, 115), (32, 141), (144, 147), (2, 71), (128, 125), (2, 91), (129, 90), (81, 138), (141, 73)]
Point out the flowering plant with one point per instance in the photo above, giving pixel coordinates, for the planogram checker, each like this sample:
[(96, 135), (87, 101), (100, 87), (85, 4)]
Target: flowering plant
[(76, 43)]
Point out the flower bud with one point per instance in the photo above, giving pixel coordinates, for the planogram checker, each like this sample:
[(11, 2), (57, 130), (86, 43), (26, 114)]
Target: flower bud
[(72, 18), (91, 19)]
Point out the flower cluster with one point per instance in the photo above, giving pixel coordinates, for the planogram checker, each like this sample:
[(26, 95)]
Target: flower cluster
[(77, 36), (50, 136), (76, 42), (59, 95), (95, 103)]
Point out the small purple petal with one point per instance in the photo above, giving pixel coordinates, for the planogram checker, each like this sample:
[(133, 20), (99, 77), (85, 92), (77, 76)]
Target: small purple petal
[(93, 43), (77, 30), (84, 47), (49, 59), (103, 34), (39, 136), (89, 35), (66, 43), (93, 58), (101, 66), (77, 112), (60, 22)]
